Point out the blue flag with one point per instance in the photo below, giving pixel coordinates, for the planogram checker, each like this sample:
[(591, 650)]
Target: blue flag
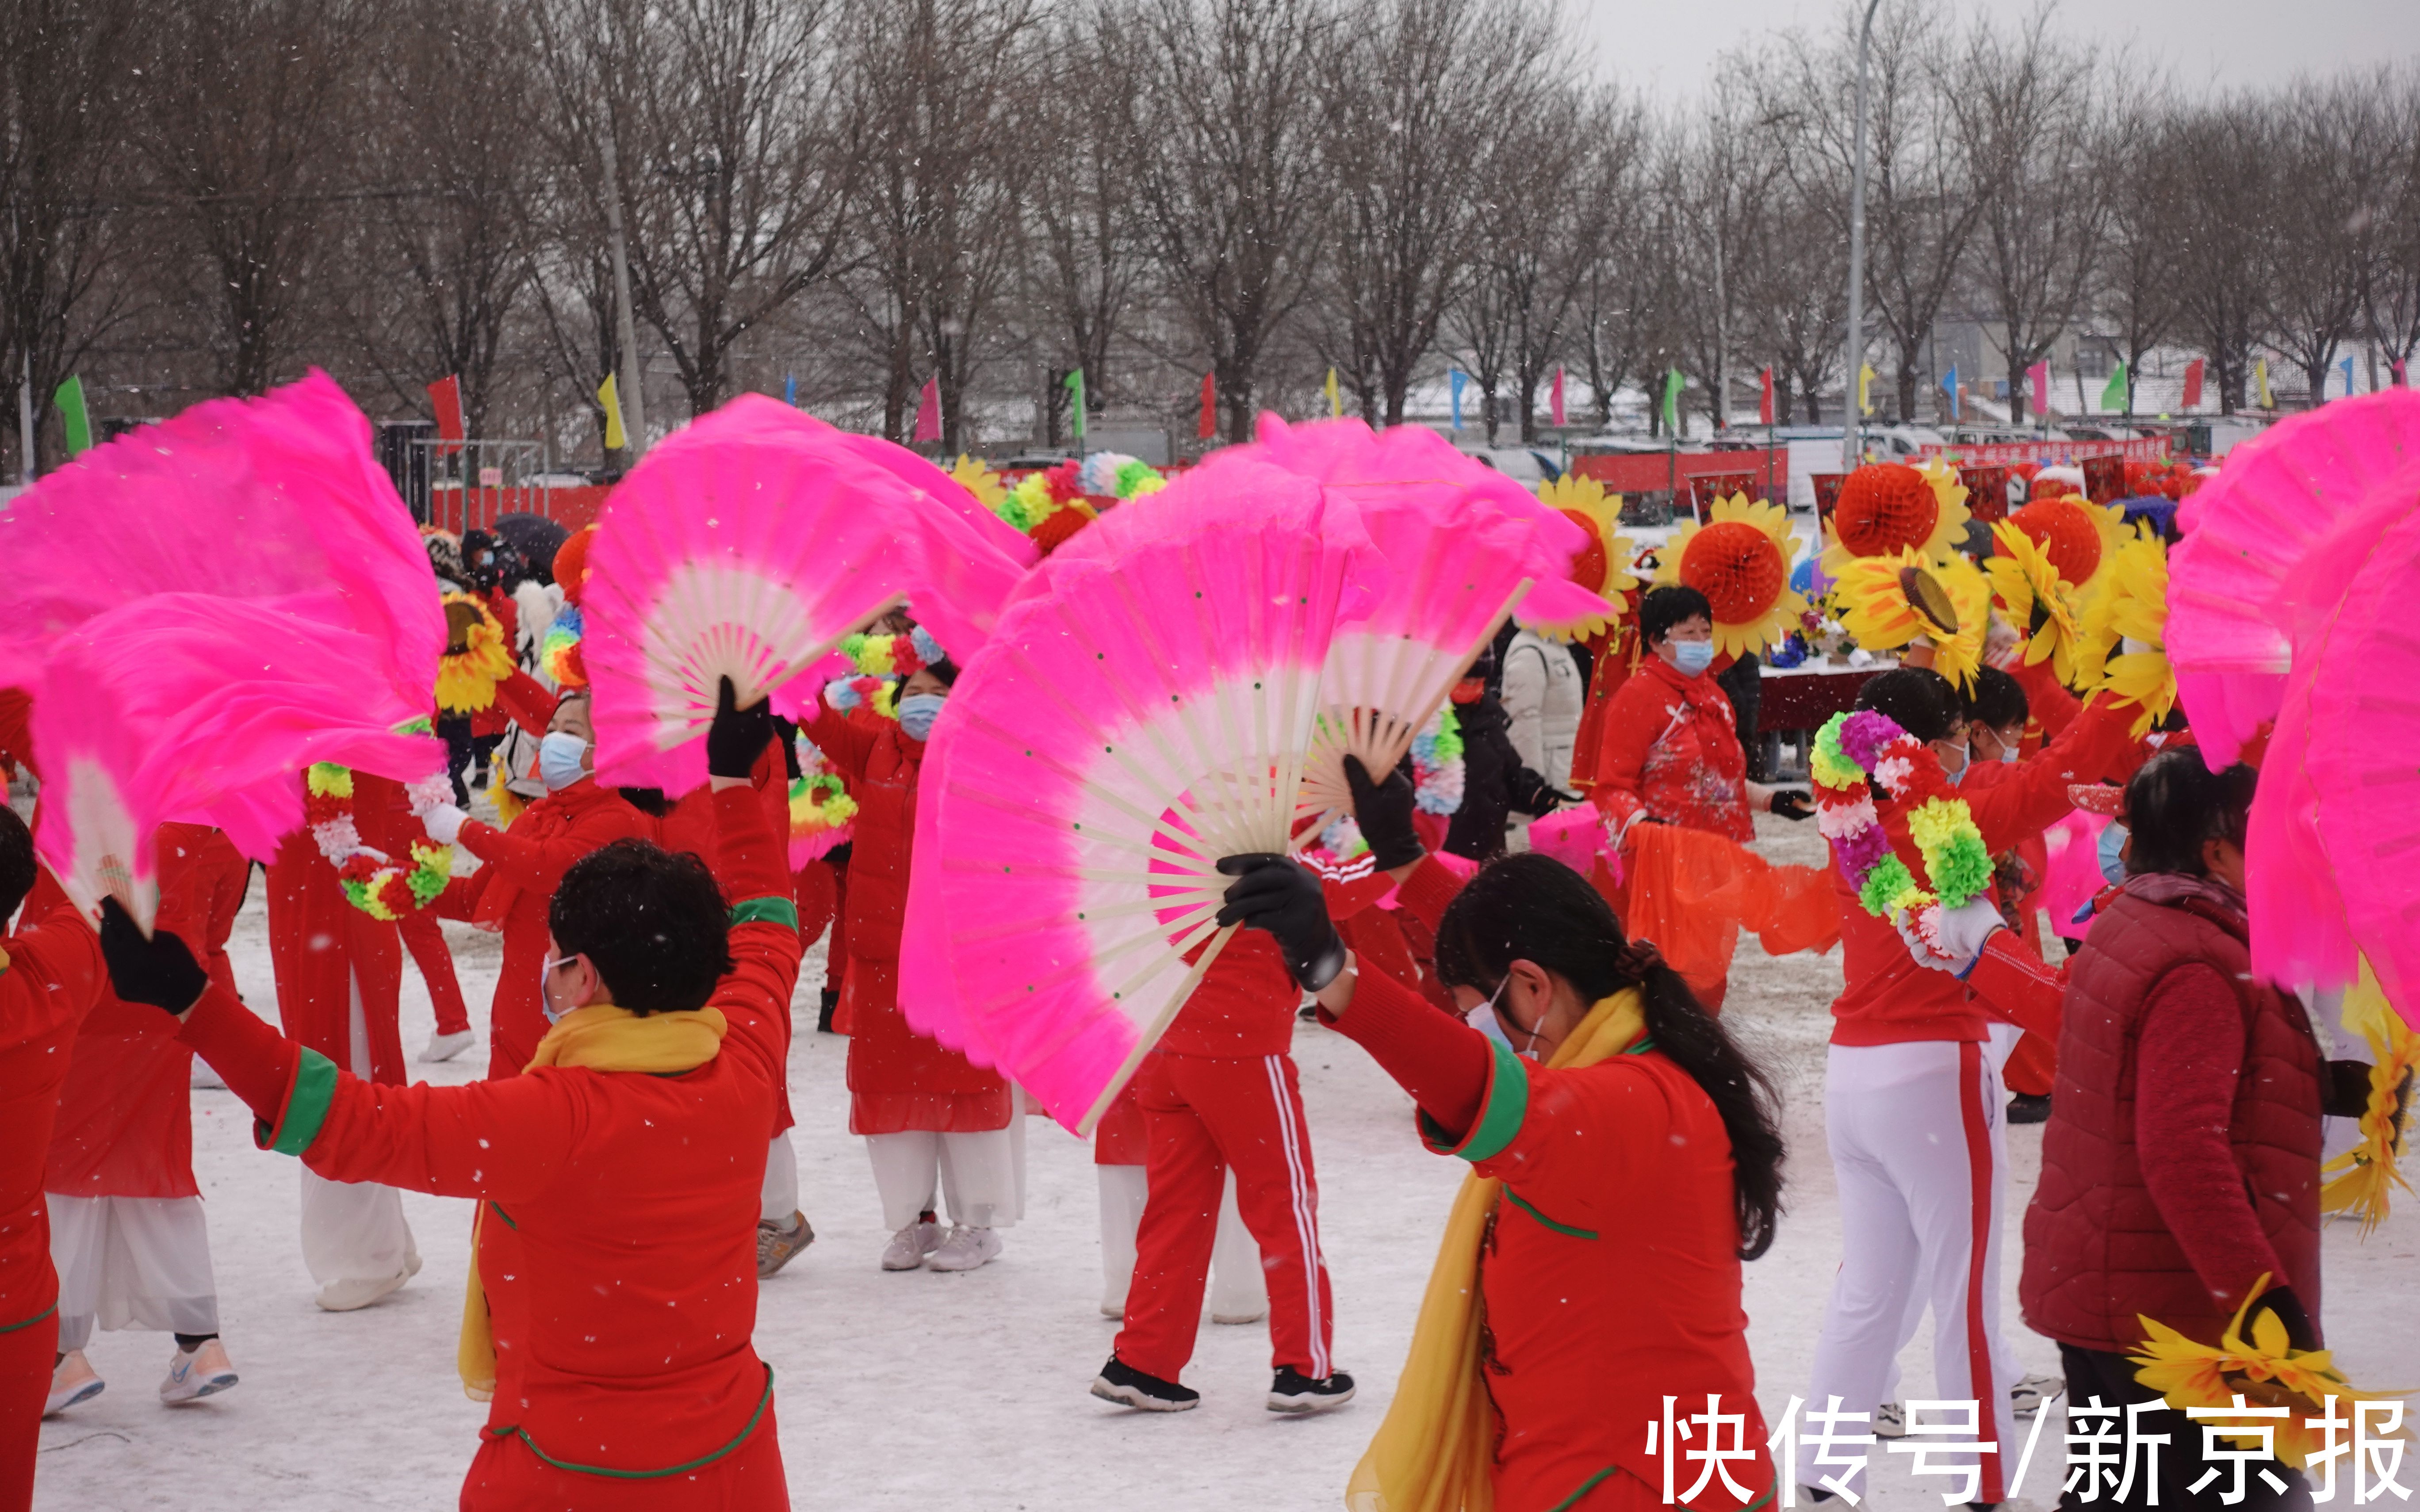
[(1455, 378), (2346, 368), (1949, 386), (790, 389)]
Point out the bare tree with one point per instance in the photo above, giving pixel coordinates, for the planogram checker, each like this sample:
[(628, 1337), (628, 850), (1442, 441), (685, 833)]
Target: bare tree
[(2140, 277), (1616, 312), (2223, 159), (2391, 274), (1232, 189), (1719, 178), (2327, 171), (2024, 117)]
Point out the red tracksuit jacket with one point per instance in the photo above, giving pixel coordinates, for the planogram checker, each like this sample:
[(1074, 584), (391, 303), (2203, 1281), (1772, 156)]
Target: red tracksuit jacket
[(51, 980)]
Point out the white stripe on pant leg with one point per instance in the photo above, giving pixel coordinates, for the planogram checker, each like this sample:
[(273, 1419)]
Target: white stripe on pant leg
[(1306, 1221)]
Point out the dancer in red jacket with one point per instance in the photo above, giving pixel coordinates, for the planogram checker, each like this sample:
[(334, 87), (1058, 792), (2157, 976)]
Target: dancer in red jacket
[(627, 1163), (126, 1228), (50, 979)]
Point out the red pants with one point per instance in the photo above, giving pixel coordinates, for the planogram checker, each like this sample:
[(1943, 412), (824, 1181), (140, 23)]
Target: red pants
[(426, 942), (28, 1356), (508, 1477), (2033, 1066), (1205, 1114)]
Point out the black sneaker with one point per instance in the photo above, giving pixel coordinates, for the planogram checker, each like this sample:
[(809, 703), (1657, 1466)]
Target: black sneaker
[(826, 1008), (1294, 1392), (1121, 1382), (2025, 1109)]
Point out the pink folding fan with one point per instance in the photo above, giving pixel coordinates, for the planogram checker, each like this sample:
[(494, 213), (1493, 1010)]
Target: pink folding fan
[(1143, 708), (747, 545)]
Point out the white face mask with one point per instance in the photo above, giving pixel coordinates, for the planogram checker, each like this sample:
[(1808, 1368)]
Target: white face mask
[(545, 998), (1484, 1019), (1692, 657), (918, 711), (562, 760)]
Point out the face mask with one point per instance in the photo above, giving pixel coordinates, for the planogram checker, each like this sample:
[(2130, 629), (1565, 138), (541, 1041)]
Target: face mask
[(1692, 657), (1484, 1019), (1958, 773), (545, 976), (2113, 865), (917, 712), (2009, 755), (560, 757)]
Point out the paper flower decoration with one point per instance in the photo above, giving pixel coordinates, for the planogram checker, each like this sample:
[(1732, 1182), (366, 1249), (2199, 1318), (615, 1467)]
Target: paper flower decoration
[(2362, 1176), (2078, 535), (369, 880), (979, 481), (1601, 567), (559, 655), (2036, 598), (1887, 602), (1739, 560), (1853, 748), (2128, 613), (475, 659), (2266, 1369), (1889, 507)]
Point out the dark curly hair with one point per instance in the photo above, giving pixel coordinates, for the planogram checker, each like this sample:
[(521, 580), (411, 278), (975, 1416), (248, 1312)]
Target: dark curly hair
[(1531, 907), (651, 921)]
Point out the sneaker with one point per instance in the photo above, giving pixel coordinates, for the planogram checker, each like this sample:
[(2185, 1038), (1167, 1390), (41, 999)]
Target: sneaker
[(446, 1046), (350, 1295), (965, 1249), (1239, 1319), (825, 1007), (908, 1247), (2027, 1396), (2026, 1109), (73, 1381), (1890, 1421), (1121, 1382), (777, 1244), (1294, 1392), (206, 1372)]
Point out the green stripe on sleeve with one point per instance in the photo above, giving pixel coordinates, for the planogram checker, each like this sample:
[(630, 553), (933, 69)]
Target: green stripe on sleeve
[(766, 911), (1500, 1116), (306, 1107)]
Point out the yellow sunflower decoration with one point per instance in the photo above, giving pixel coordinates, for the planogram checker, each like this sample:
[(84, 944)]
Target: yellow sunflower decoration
[(1889, 507), (2362, 1176), (1887, 602), (1603, 567), (2126, 612), (979, 481), (2265, 1370), (2031, 593), (1739, 560), (2079, 536), (475, 659)]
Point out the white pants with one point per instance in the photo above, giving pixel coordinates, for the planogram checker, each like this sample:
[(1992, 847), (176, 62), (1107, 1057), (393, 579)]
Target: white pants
[(983, 1175), (354, 1230), (781, 1195), (131, 1262), (1238, 1287), (1920, 1149)]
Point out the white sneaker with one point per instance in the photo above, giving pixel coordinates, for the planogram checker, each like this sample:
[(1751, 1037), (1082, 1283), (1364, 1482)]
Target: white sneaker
[(965, 1249), (1890, 1421), (206, 1372), (908, 1247), (446, 1046), (348, 1295), (73, 1381), (2027, 1396)]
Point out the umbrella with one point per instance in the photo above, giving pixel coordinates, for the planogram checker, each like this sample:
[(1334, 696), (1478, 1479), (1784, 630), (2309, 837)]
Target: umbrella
[(536, 537)]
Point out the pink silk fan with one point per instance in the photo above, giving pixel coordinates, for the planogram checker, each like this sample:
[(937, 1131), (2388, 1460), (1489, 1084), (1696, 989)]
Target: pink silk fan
[(1143, 708), (199, 610), (746, 546)]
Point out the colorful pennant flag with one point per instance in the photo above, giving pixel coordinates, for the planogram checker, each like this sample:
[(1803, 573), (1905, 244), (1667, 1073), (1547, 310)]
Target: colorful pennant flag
[(2117, 393), (1455, 379), (928, 412), (1764, 402), (1949, 386), (1075, 382), (2346, 368), (2261, 382), (2192, 384), (446, 398), (68, 401), (1209, 427), (1866, 388), (2037, 383), (1555, 399), (1335, 397), (608, 397), (790, 389), (1672, 383)]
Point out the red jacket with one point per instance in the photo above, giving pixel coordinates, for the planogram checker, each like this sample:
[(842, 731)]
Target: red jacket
[(53, 978), (2181, 1159), (512, 890), (1888, 998), (1670, 749), (1244, 1006), (321, 946), (881, 763), (633, 1197)]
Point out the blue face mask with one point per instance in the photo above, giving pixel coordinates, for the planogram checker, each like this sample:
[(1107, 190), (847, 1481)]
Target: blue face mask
[(1484, 1019), (917, 712), (561, 759), (1693, 656), (2113, 866)]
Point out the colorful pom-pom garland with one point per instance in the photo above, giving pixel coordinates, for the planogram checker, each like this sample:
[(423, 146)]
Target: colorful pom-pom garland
[(1437, 764), (883, 664), (1849, 750), (372, 882), (559, 654)]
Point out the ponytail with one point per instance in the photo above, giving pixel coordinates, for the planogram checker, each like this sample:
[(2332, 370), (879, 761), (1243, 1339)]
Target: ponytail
[(1529, 907)]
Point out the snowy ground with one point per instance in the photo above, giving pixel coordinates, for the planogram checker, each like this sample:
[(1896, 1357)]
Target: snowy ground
[(920, 1389)]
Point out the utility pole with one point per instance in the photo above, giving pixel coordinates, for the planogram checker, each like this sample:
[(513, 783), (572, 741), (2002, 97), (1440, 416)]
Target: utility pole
[(1853, 438), (26, 414), (632, 386)]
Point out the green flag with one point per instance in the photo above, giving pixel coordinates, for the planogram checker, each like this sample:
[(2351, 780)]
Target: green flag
[(2115, 395), (1075, 405), (68, 401), (1672, 384)]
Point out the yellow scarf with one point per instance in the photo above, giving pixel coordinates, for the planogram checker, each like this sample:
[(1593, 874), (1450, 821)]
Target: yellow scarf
[(1434, 1451), (601, 1037)]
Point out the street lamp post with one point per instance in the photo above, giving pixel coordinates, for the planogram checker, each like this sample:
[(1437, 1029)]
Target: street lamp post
[(1852, 440)]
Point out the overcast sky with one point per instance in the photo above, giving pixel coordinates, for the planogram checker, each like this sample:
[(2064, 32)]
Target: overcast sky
[(1665, 46)]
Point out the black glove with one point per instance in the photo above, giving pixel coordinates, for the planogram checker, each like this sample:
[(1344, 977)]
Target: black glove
[(1384, 811), (1792, 804), (2288, 1308), (738, 736), (1282, 896), (787, 733), (159, 971)]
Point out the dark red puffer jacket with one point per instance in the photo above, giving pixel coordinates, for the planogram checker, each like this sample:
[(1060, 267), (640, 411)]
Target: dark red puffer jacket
[(2097, 1251)]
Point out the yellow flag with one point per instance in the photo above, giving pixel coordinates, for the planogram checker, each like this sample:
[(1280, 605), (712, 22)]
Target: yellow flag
[(2260, 381), (610, 398), (1335, 400), (1864, 388)]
